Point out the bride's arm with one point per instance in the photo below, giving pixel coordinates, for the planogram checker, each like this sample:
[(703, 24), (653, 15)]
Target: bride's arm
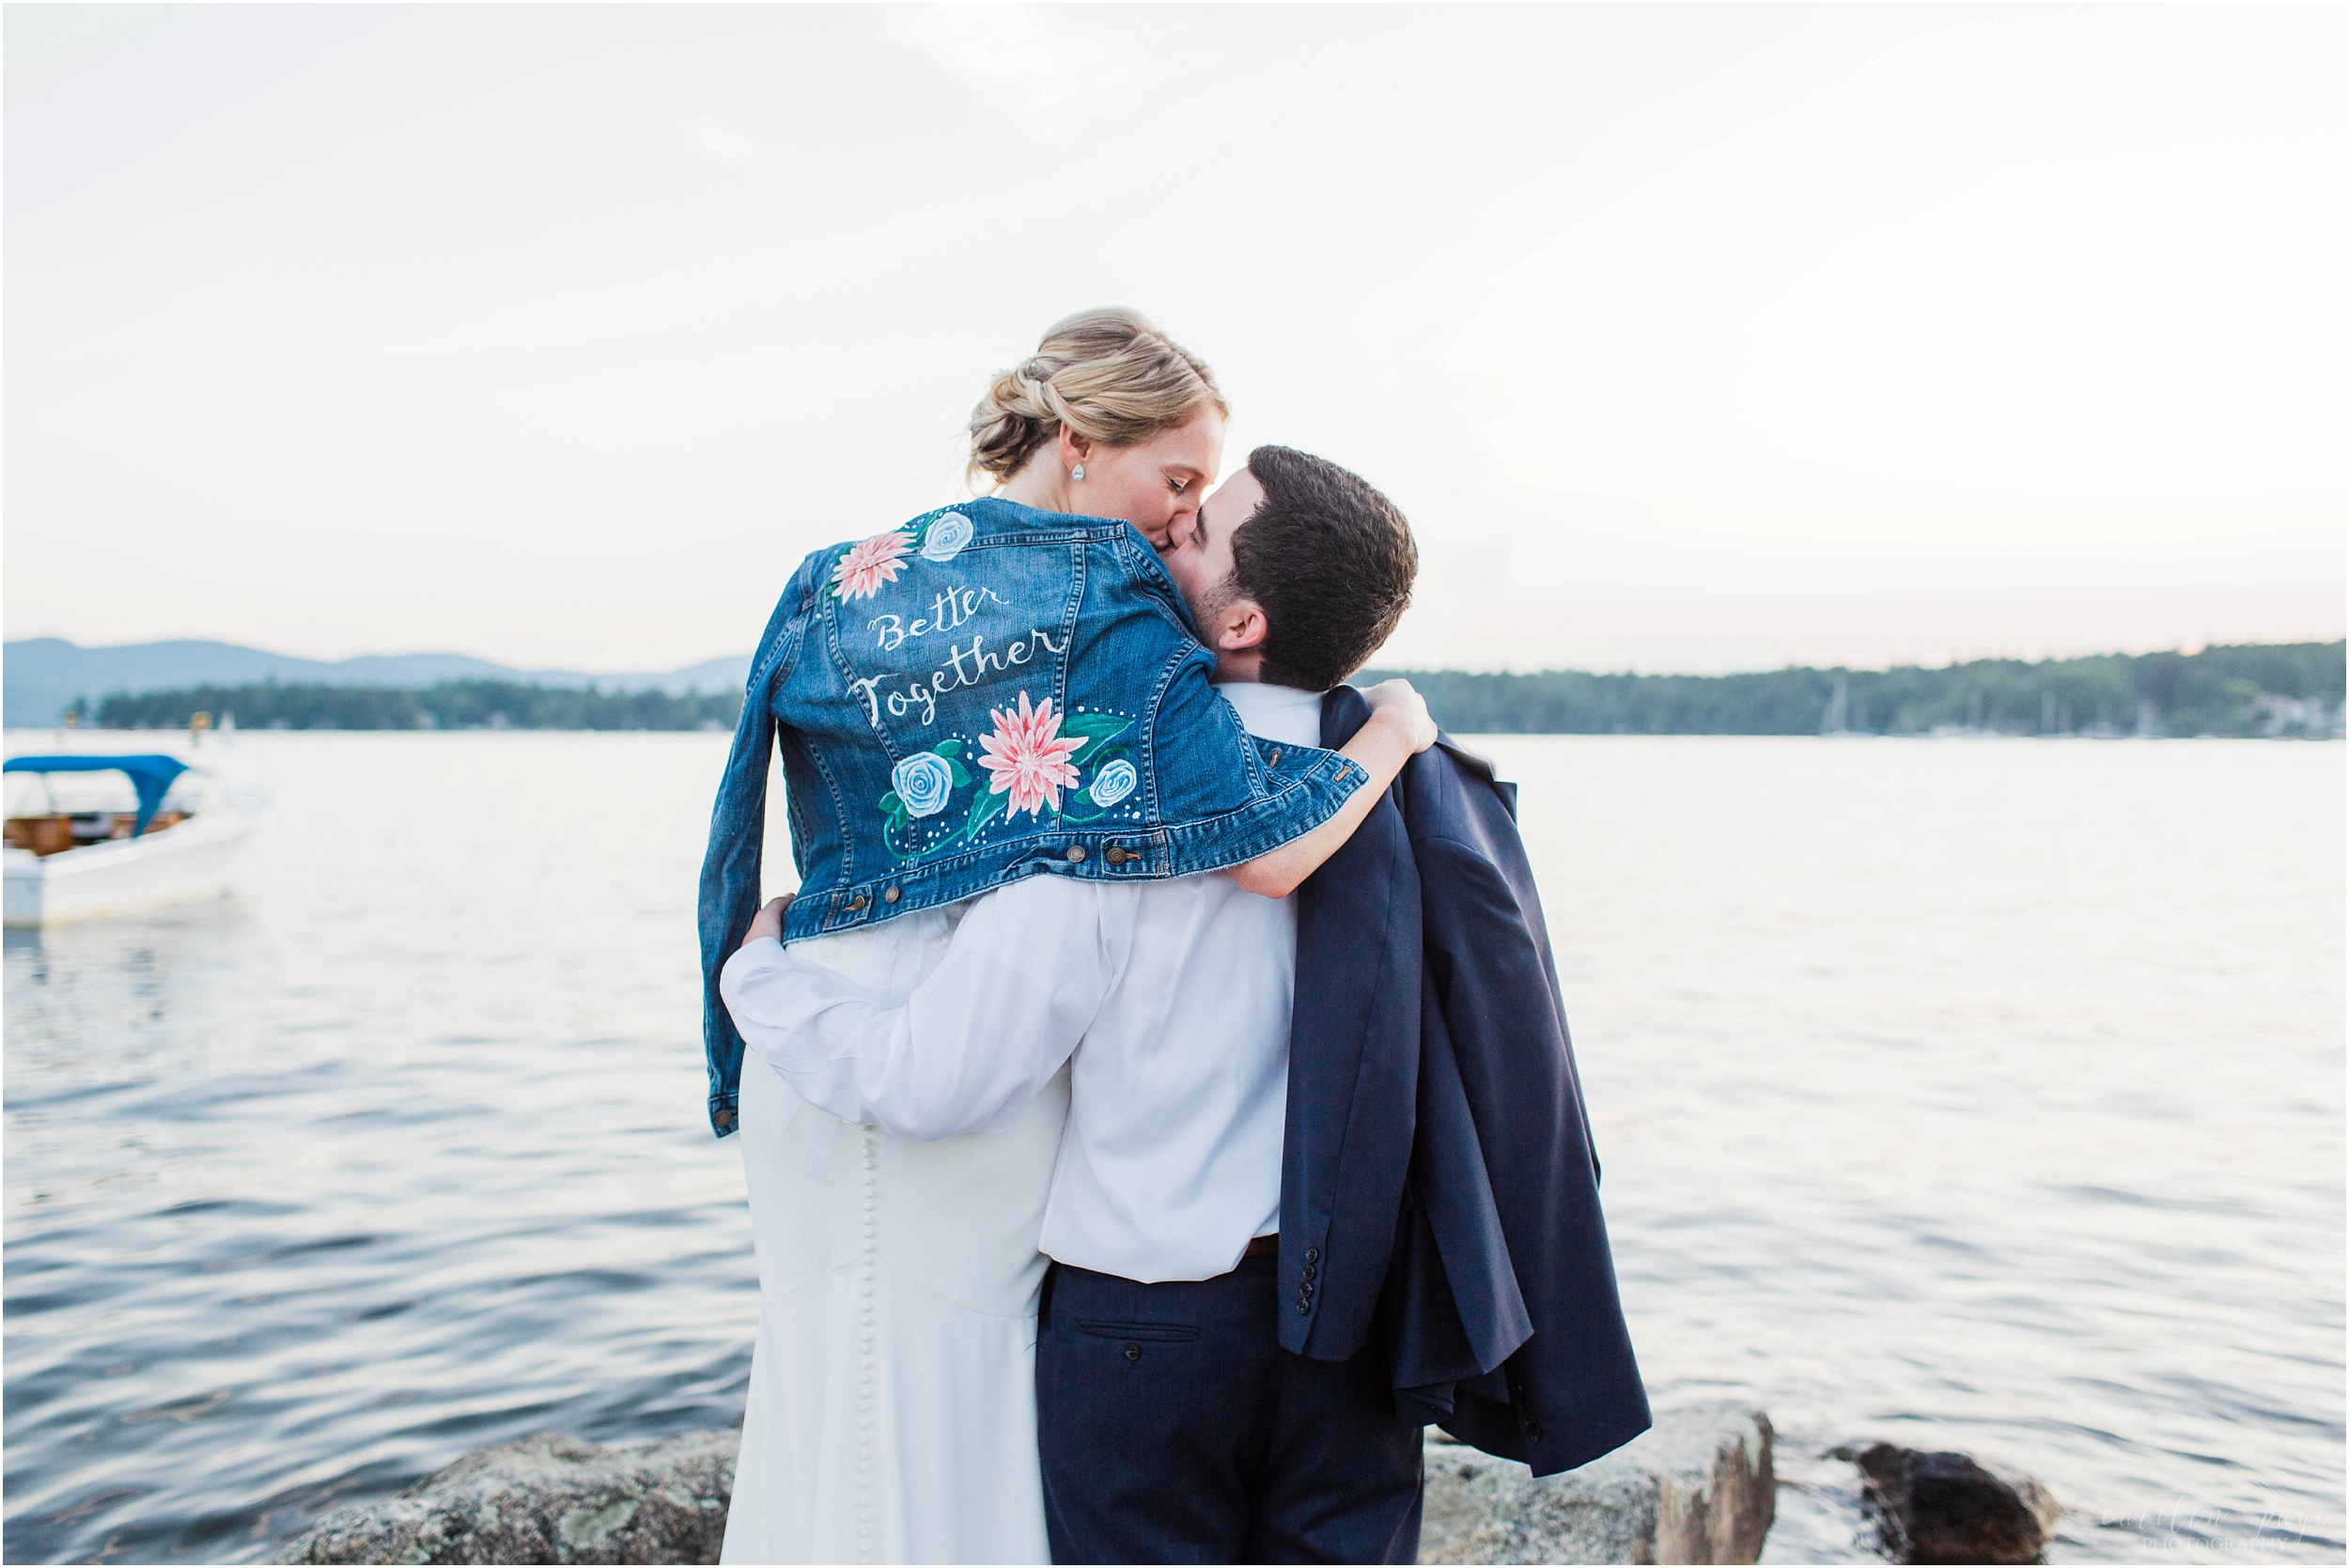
[(968, 1048), (1398, 729)]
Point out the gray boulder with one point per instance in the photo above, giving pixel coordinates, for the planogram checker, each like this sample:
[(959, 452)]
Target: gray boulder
[(1697, 1487), (1941, 1507), (546, 1499)]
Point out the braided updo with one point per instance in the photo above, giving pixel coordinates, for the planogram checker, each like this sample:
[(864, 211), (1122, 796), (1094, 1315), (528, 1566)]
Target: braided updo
[(1106, 374)]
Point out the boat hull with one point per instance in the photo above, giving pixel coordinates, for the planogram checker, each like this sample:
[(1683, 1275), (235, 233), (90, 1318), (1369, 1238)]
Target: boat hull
[(185, 863)]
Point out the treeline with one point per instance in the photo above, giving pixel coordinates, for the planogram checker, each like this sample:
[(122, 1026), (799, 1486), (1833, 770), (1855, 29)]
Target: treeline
[(450, 706), (2291, 688)]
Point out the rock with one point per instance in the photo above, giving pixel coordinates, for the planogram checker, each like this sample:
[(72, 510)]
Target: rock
[(1697, 1487), (546, 1499), (1939, 1507)]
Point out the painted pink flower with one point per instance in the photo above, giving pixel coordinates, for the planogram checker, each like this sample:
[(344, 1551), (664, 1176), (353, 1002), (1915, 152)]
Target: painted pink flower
[(1029, 757), (871, 564)]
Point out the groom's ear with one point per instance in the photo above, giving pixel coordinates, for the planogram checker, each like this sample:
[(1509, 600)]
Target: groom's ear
[(1239, 627)]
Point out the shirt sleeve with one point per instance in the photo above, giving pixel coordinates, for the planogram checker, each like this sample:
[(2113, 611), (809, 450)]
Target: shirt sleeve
[(969, 1046)]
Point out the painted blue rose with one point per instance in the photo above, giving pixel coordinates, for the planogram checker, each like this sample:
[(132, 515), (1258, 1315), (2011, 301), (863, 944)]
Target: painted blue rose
[(946, 537), (923, 782), (1114, 783)]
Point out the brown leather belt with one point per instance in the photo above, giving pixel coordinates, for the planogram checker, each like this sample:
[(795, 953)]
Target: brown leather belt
[(1264, 1246)]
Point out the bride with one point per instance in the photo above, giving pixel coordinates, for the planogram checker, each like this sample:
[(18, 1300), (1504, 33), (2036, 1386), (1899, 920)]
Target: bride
[(892, 1406)]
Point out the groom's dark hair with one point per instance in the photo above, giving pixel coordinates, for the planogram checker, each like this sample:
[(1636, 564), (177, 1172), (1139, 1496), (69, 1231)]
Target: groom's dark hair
[(1331, 562)]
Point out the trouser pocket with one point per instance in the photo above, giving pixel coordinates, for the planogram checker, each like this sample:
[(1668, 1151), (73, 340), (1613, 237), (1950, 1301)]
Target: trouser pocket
[(1135, 1341)]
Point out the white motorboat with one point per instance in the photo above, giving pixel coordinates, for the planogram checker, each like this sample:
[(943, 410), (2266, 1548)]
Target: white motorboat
[(74, 860)]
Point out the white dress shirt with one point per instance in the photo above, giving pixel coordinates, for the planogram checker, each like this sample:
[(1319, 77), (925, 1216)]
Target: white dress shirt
[(1172, 996)]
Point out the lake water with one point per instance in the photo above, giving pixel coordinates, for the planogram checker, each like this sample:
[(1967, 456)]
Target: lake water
[(1972, 1093)]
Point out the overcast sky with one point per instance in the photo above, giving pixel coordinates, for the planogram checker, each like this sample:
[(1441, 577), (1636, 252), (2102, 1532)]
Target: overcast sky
[(1689, 338)]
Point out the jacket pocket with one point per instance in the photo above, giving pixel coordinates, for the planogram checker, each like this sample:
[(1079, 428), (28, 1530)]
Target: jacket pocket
[(1156, 1333)]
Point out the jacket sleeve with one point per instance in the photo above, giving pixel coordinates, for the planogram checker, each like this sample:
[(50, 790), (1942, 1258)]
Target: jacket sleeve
[(1573, 1391), (737, 829)]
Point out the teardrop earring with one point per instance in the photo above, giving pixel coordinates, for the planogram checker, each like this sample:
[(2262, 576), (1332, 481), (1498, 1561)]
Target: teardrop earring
[(1078, 471)]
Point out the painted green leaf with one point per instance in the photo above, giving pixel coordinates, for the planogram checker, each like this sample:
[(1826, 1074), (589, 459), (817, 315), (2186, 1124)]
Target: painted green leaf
[(948, 749), (1096, 728), (960, 774), (986, 805), (890, 805)]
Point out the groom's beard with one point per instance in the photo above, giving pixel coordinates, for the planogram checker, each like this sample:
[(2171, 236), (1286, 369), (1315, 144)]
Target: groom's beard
[(1212, 602)]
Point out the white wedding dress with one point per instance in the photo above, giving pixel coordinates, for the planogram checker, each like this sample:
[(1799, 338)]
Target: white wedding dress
[(892, 1414)]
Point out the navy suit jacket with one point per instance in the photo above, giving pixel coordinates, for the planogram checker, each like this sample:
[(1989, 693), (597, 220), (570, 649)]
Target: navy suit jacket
[(1440, 1190)]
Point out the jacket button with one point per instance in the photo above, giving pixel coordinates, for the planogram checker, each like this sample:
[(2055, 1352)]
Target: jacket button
[(1274, 760), (1116, 856), (1076, 853), (725, 1118), (1313, 1254), (1132, 1354), (1308, 1271), (1303, 1305), (858, 902), (893, 894)]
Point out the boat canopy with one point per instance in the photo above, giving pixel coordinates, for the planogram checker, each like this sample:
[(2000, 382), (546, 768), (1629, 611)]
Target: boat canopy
[(152, 775)]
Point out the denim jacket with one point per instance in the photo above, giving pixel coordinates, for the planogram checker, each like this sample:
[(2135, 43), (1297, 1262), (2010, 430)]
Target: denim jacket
[(985, 693)]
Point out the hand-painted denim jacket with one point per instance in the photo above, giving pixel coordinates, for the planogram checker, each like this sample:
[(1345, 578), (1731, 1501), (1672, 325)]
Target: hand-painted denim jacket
[(986, 693)]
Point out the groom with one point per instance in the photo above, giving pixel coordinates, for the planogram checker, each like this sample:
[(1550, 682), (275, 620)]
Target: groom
[(1325, 1177)]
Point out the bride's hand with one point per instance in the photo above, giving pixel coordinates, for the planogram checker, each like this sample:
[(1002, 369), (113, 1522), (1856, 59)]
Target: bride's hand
[(768, 921), (1399, 703)]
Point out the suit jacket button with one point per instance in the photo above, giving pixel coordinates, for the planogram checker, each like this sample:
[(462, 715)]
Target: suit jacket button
[(1303, 1305), (1313, 1254), (1308, 1271), (1132, 1354)]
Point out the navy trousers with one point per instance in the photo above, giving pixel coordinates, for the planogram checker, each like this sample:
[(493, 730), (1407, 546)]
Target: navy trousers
[(1173, 1428)]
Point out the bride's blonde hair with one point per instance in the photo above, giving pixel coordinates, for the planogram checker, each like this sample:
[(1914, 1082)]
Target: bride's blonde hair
[(1106, 374)]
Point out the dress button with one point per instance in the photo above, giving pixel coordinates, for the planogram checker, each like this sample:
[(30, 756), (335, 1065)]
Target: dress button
[(891, 896), (1076, 853)]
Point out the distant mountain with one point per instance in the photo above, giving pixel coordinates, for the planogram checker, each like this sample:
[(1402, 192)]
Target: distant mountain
[(44, 674)]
